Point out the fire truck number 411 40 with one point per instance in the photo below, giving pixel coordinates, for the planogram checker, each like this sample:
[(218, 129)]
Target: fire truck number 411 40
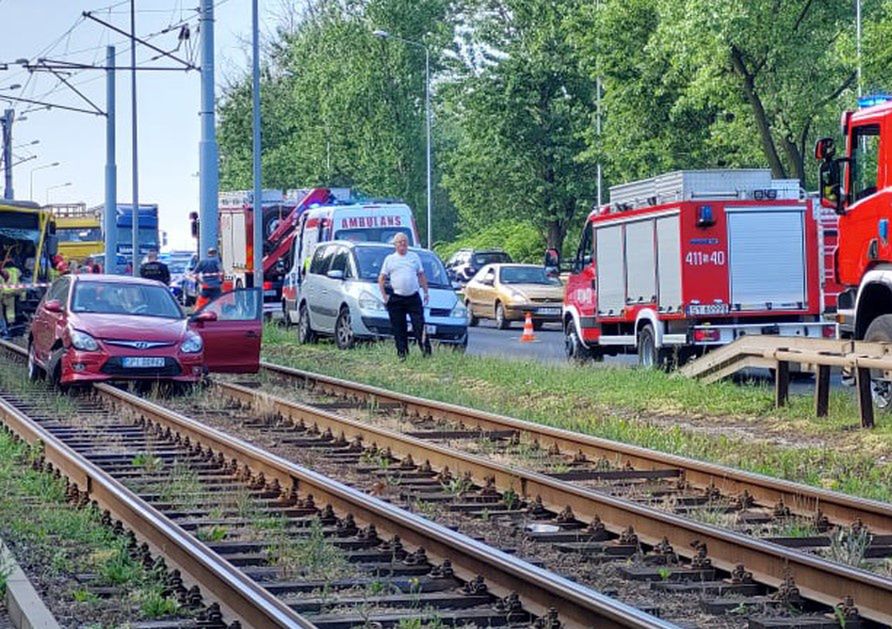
[(705, 258)]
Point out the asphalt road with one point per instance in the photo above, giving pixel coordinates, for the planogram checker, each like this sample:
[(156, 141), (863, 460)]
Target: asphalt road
[(487, 340)]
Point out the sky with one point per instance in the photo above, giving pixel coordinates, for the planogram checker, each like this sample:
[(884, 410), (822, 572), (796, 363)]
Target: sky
[(167, 102)]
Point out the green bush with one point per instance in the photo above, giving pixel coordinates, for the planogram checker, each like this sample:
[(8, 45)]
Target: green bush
[(522, 241)]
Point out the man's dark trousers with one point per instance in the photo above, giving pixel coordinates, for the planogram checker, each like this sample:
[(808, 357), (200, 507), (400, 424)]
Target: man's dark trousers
[(398, 306)]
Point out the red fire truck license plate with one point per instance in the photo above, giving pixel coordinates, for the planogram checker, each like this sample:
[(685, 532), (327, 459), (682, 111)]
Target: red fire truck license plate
[(707, 309)]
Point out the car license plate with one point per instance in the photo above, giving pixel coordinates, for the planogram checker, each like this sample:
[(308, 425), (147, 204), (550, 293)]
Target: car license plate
[(430, 329), (708, 309), (548, 311), (143, 361), (269, 293)]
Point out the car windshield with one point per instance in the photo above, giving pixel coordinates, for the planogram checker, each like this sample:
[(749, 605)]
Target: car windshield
[(370, 259), (491, 257), (526, 275), (178, 265), (125, 299)]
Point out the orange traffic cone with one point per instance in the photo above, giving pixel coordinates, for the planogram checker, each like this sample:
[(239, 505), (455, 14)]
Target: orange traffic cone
[(528, 336)]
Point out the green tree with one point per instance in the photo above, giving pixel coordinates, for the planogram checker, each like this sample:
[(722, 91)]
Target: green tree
[(340, 107), (519, 103)]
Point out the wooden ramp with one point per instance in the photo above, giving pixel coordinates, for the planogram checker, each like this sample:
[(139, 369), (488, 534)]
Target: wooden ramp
[(817, 355)]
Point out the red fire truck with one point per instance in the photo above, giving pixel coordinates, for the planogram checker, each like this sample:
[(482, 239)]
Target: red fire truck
[(858, 187), (688, 260)]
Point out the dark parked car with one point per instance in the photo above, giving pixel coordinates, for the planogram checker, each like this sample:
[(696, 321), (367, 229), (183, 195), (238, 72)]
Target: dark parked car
[(464, 263)]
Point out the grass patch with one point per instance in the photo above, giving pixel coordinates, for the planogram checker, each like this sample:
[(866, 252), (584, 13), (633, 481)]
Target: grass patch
[(726, 423)]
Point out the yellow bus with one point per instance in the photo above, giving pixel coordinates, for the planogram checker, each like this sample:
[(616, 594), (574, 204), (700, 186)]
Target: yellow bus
[(27, 240), (78, 230)]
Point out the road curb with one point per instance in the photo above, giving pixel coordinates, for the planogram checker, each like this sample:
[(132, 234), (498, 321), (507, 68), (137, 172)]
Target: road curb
[(25, 607)]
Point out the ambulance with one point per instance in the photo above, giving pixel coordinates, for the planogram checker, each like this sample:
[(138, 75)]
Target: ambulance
[(355, 221)]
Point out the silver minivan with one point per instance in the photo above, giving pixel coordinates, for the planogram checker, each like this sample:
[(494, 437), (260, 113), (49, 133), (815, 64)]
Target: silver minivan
[(339, 297)]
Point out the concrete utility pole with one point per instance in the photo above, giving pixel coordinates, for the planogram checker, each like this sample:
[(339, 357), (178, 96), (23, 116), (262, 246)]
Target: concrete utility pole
[(208, 164), (258, 187), (8, 117), (111, 169), (134, 265)]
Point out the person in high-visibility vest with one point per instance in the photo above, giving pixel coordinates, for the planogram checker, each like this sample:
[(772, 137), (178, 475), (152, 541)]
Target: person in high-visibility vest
[(11, 288)]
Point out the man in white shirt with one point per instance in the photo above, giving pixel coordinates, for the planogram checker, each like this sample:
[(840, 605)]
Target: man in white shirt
[(406, 274)]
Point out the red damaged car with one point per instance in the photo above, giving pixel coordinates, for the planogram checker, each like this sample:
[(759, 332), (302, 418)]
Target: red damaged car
[(90, 328)]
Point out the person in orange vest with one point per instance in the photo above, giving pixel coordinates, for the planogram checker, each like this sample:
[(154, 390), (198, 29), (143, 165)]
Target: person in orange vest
[(209, 274)]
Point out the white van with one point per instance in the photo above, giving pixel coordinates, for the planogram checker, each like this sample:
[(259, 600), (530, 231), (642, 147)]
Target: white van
[(355, 222)]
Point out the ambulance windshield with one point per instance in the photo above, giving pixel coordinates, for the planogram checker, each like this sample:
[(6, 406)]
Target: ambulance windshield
[(373, 234)]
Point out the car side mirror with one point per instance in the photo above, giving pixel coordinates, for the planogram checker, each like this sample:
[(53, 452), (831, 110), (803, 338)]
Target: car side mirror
[(205, 316), (53, 305), (487, 282), (335, 275)]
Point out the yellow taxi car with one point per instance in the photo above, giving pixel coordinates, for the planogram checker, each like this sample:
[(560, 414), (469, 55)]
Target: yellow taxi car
[(506, 292)]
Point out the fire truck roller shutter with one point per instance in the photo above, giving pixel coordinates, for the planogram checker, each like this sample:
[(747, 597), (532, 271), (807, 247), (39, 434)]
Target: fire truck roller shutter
[(611, 280), (641, 269), (766, 257), (669, 264)]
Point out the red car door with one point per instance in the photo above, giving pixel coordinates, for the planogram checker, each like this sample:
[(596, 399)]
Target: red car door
[(231, 328)]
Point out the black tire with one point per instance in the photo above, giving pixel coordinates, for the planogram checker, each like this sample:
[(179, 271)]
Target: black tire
[(473, 320), (537, 325), (344, 337), (573, 347), (461, 348), (649, 356), (35, 371), (501, 322), (880, 331), (54, 369), (305, 332), (286, 318)]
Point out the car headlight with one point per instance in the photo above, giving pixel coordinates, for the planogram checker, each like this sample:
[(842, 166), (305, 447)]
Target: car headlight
[(192, 344), (367, 301), (459, 311), (516, 297), (83, 341)]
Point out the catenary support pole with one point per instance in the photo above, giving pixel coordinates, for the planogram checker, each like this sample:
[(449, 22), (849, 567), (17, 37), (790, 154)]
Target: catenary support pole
[(427, 115), (208, 166), (111, 169), (8, 117), (258, 188), (134, 233)]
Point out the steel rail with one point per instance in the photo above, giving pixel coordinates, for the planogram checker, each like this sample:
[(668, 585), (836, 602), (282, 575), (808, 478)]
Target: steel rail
[(539, 589), (818, 579), (235, 592), (801, 499)]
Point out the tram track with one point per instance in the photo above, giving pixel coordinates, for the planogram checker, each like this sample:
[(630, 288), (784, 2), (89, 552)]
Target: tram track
[(120, 460), (776, 563)]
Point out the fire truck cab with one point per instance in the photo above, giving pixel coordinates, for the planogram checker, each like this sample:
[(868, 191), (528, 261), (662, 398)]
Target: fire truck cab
[(690, 260), (858, 186)]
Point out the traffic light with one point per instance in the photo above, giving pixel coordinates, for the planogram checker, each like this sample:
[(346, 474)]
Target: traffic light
[(193, 223)]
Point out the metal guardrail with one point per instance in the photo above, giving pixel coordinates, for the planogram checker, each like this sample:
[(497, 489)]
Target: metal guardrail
[(817, 355)]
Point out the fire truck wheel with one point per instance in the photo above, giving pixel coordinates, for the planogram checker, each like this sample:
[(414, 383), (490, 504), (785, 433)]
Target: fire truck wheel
[(344, 337), (473, 320), (575, 350), (648, 354), (880, 330), (502, 323), (305, 332)]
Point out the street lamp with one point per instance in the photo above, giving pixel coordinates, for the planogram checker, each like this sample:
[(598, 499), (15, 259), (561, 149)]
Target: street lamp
[(12, 87), (31, 143), (31, 189), (427, 114), (61, 185)]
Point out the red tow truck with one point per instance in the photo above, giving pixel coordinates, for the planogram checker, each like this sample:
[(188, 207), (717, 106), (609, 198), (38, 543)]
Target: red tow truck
[(689, 260), (280, 219)]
